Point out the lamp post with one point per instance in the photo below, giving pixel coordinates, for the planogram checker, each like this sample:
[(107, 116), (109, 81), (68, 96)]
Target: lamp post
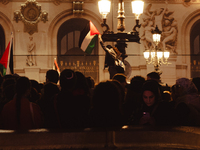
[(120, 37), (156, 56)]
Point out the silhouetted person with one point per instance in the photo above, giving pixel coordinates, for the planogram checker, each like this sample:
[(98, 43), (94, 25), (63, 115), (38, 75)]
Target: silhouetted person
[(186, 103), (8, 91), (49, 91), (133, 96), (52, 76), (106, 109), (113, 59), (72, 101), (20, 113)]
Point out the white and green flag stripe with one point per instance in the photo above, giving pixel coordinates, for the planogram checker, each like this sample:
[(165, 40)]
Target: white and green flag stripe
[(88, 38)]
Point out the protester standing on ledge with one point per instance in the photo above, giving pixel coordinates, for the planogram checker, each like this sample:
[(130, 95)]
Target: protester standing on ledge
[(113, 59)]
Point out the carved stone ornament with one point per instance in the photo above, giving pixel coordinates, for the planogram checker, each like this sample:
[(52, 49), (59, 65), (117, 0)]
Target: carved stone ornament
[(30, 13), (57, 2), (5, 2)]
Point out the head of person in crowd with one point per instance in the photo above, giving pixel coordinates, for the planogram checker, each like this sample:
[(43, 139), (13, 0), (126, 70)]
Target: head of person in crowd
[(151, 93), (81, 80), (106, 109), (91, 82), (140, 78), (106, 95), (52, 76), (154, 76), (68, 79), (23, 89), (136, 84), (8, 89), (7, 76), (81, 87), (183, 86), (23, 86), (121, 78), (35, 84)]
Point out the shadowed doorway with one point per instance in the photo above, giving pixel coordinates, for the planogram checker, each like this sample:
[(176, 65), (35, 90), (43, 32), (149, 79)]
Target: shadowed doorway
[(2, 41), (70, 56), (195, 50)]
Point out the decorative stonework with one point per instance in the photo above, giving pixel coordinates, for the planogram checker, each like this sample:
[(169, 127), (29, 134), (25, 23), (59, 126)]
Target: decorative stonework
[(57, 2), (78, 7), (164, 20), (5, 1), (30, 13)]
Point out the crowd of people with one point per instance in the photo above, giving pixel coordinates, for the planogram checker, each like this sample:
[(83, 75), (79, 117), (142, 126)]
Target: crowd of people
[(73, 101)]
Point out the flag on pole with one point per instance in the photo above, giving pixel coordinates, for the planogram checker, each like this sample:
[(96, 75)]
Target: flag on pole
[(88, 37), (56, 67), (6, 61)]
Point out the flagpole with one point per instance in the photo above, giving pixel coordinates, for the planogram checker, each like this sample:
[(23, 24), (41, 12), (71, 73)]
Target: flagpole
[(56, 65)]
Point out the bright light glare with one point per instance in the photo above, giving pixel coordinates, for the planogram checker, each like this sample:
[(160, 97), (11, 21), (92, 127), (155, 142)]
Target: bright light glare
[(166, 55), (146, 54), (125, 127), (104, 7), (137, 8), (159, 55), (156, 38)]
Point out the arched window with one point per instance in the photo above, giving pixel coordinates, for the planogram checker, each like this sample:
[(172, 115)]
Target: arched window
[(70, 56), (195, 50)]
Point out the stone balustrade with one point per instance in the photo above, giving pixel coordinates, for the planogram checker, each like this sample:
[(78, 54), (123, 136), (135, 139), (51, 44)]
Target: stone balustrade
[(126, 138)]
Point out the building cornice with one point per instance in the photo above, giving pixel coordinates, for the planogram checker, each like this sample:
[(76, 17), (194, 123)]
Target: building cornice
[(95, 1)]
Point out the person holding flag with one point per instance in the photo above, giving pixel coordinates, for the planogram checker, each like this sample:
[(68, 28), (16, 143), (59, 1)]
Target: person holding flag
[(88, 37), (113, 59)]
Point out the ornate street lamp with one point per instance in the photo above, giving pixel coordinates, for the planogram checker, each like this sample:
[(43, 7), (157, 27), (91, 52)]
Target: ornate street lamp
[(120, 37), (156, 56)]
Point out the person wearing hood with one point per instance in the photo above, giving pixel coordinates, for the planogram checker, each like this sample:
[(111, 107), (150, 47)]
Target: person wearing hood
[(186, 103), (153, 111)]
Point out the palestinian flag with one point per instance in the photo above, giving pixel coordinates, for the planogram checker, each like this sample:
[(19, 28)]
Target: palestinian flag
[(6, 62), (88, 38)]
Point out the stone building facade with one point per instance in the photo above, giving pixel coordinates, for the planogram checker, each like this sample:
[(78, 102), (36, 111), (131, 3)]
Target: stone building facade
[(47, 29)]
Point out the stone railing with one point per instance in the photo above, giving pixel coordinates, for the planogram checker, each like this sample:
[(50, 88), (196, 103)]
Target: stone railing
[(126, 138)]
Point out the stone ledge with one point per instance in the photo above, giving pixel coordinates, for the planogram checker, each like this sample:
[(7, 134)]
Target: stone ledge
[(140, 138)]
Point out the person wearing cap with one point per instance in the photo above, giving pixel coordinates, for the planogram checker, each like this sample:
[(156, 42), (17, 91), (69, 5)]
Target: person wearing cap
[(121, 78)]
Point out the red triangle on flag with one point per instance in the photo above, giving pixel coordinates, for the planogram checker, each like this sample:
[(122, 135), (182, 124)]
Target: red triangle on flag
[(93, 29), (4, 58)]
